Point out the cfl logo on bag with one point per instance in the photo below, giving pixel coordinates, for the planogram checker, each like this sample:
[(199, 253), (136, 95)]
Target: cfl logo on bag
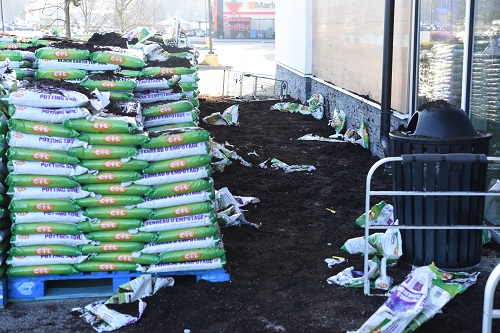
[(184, 210), (106, 201), (60, 74), (177, 164), (23, 236), (101, 125), (177, 138), (20, 189), (20, 107), (167, 71), (125, 257), (122, 236), (110, 247), (108, 84), (187, 234), (113, 164), (41, 270), (181, 188), (44, 206), (165, 109), (17, 95), (102, 152), (192, 256), (117, 188), (19, 162), (44, 229), (117, 212), (106, 267), (113, 138), (41, 156), (62, 54), (12, 46), (108, 225), (18, 135), (105, 177), (39, 128), (40, 181), (44, 251), (117, 59)]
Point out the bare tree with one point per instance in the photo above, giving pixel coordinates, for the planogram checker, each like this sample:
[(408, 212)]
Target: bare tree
[(92, 15), (123, 16), (49, 8)]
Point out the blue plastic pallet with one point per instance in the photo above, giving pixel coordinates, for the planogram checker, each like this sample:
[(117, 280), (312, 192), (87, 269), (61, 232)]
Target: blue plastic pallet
[(88, 284), (3, 292)]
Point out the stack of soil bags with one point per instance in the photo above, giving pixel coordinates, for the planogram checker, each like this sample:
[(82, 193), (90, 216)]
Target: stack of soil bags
[(4, 201)]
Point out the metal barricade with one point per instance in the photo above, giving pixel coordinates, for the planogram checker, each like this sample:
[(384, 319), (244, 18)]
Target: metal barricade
[(248, 86), (366, 287)]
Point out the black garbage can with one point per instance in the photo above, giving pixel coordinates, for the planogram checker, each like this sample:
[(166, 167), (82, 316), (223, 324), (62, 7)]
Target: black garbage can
[(442, 152)]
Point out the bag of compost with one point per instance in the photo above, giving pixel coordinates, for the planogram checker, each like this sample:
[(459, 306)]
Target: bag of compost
[(54, 116), (60, 74), (130, 257), (118, 213), (87, 65), (180, 199), (189, 186), (122, 139), (40, 181), (175, 137), (118, 224), (110, 200), (96, 266), (186, 244), (40, 205), (101, 125), (131, 165), (102, 152), (188, 162), (44, 228), (190, 221), (183, 210), (57, 193), (164, 108), (31, 250), (117, 58), (117, 189), (167, 153), (59, 53), (41, 270), (107, 177), (121, 236), (46, 129), (55, 217), (169, 119), (216, 263), (103, 247), (40, 155), (192, 255), (52, 239), (175, 176), (23, 140), (18, 167), (45, 260)]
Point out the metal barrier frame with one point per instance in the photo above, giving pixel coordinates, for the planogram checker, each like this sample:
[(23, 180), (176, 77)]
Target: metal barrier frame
[(368, 227)]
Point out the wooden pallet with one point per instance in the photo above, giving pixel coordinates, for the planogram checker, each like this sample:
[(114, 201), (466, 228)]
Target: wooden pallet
[(88, 284)]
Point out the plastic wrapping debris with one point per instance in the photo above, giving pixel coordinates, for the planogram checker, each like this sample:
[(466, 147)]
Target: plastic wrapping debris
[(360, 136), (387, 244), (334, 261), (104, 319), (419, 297), (380, 214), (351, 278), (218, 151), (315, 106), (228, 210), (338, 123), (228, 117), (312, 137), (275, 164)]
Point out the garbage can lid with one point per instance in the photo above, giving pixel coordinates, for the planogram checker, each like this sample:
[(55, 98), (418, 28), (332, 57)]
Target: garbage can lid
[(441, 119)]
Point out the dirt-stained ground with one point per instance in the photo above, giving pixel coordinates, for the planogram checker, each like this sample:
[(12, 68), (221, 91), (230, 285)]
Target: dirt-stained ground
[(278, 273)]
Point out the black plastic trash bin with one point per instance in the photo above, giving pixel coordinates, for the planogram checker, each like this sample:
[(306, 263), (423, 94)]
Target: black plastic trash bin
[(442, 152)]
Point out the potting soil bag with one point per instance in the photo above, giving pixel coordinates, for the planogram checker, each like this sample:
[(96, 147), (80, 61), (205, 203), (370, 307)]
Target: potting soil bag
[(59, 53), (167, 153), (12, 55), (18, 167), (133, 189), (163, 108), (110, 200), (192, 255), (46, 129), (109, 85), (107, 177), (87, 65), (40, 205), (49, 259), (118, 213), (129, 73), (179, 245), (181, 163), (40, 155), (183, 210), (54, 116), (55, 217), (180, 199), (121, 236), (316, 105), (95, 266), (120, 96), (153, 71), (145, 83), (100, 152), (117, 58), (175, 176), (101, 125), (168, 119), (189, 78), (23, 140), (103, 224), (180, 188), (19, 64), (131, 165), (47, 99), (190, 221), (184, 125), (187, 266), (174, 138), (339, 121), (103, 247), (136, 257), (31, 250), (60, 74), (188, 86), (44, 228), (122, 139), (57, 193), (189, 233), (379, 214), (41, 270), (53, 239), (40, 181), (156, 96)]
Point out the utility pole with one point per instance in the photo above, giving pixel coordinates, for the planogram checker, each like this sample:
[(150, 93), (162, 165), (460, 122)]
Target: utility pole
[(210, 27)]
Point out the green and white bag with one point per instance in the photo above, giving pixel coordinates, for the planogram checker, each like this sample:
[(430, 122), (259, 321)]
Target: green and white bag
[(133, 189), (169, 119), (174, 138), (176, 200), (12, 55), (118, 213), (45, 228), (110, 200), (101, 125), (130, 257), (40, 155), (87, 65), (45, 99), (117, 58), (189, 233), (166, 190), (116, 224), (58, 53), (46, 129), (41, 270), (95, 266), (188, 162), (58, 250), (40, 205), (18, 167), (28, 193), (157, 96), (23, 140), (44, 260), (122, 139), (192, 255), (179, 245), (131, 165), (102, 152), (121, 236), (40, 181), (54, 116), (161, 108), (183, 210), (104, 247), (216, 263), (56, 239), (175, 176), (103, 177), (54, 217), (167, 153), (60, 74), (190, 221)]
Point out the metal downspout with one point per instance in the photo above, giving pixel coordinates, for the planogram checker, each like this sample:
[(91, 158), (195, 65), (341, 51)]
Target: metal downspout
[(385, 107)]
